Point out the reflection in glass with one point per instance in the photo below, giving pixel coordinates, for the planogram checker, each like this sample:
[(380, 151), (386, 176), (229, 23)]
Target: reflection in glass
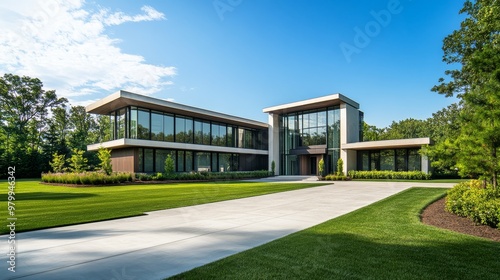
[(168, 127), (143, 124), (148, 160), (133, 123), (157, 126)]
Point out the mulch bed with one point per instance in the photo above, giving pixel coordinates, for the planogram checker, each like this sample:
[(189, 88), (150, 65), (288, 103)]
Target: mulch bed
[(436, 215)]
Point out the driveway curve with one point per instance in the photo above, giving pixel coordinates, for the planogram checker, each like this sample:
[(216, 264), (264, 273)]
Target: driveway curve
[(164, 243)]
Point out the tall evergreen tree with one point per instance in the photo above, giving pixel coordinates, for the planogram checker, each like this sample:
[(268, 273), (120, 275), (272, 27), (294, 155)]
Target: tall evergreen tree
[(476, 81)]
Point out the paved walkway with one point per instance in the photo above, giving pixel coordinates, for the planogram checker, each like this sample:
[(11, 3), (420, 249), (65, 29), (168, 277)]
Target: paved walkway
[(167, 242)]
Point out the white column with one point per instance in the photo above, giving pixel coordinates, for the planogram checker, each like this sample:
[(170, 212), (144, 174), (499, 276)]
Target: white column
[(274, 142), (349, 133)]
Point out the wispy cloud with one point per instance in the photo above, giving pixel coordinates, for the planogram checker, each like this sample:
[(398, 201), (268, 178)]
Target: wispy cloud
[(65, 45)]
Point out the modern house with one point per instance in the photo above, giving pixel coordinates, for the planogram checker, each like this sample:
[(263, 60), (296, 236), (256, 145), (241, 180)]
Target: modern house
[(298, 135)]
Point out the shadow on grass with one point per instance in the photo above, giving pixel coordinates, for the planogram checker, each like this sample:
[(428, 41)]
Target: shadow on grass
[(349, 256), (46, 196)]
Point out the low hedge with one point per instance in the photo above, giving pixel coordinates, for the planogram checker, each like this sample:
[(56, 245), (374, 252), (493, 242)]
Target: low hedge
[(403, 175), (195, 176), (334, 177), (87, 178), (471, 200)]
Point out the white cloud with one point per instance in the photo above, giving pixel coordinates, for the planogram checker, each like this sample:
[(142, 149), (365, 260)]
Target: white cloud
[(66, 46)]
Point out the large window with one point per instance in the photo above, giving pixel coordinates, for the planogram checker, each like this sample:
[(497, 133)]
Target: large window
[(414, 160), (202, 162), (202, 132), (231, 136), (157, 126), (140, 123), (143, 124), (387, 160), (148, 161), (112, 120), (390, 159), (219, 134), (334, 128), (120, 122), (133, 123), (168, 127), (183, 130), (299, 130)]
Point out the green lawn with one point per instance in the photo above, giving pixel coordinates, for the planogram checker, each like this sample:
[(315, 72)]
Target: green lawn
[(42, 206), (455, 181), (385, 240)]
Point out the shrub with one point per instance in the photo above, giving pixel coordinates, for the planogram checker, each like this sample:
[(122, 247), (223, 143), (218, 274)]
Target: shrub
[(57, 163), (340, 167), (169, 165), (104, 156), (321, 167), (77, 162), (402, 175), (471, 200), (335, 177), (87, 178)]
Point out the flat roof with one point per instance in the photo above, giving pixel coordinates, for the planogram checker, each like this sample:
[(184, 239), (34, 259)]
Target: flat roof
[(310, 104), (387, 144), (123, 98)]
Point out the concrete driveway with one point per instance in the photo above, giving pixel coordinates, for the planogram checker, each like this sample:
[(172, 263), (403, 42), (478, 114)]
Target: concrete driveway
[(164, 243)]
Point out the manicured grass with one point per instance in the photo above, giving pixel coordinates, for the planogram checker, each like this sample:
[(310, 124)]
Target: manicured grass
[(385, 240), (454, 181), (41, 206)]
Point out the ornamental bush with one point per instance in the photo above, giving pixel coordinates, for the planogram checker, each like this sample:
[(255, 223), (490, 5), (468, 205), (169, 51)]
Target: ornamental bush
[(335, 177), (386, 174), (87, 178), (204, 176), (471, 200)]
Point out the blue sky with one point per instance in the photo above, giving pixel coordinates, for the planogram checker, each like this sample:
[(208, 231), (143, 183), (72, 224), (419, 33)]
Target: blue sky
[(236, 56)]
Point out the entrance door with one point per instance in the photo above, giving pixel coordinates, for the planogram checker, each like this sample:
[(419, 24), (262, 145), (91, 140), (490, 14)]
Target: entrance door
[(314, 166)]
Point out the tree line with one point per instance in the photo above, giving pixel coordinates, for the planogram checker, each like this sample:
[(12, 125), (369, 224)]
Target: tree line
[(35, 124), (467, 135)]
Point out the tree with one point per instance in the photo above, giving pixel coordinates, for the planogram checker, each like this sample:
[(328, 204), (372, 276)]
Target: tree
[(81, 124), (475, 47), (55, 133), (57, 163), (273, 167), (104, 156), (321, 167), (77, 162), (24, 110), (340, 167), (371, 132), (169, 165)]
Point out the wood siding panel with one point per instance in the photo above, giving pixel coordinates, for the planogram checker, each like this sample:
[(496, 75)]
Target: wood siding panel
[(123, 160)]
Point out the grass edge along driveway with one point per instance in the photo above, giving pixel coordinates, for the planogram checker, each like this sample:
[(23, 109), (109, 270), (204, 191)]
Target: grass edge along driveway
[(384, 240), (41, 206)]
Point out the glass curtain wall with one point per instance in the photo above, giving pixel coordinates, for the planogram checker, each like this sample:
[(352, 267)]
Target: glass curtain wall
[(309, 128), (140, 123), (390, 159)]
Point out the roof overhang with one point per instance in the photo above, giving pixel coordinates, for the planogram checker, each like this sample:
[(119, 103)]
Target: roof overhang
[(311, 104), (131, 143), (122, 99), (388, 144)]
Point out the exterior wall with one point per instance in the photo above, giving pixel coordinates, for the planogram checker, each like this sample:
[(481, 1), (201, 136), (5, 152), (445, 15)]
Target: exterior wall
[(274, 142), (123, 160), (349, 133), (425, 164)]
